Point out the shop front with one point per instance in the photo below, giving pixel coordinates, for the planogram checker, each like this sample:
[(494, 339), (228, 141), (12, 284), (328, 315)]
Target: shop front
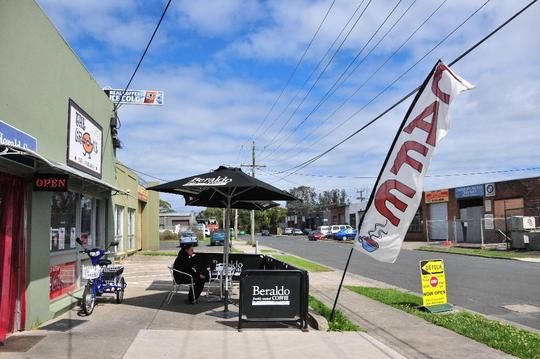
[(12, 254)]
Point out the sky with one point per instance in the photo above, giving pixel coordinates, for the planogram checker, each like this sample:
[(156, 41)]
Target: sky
[(238, 72)]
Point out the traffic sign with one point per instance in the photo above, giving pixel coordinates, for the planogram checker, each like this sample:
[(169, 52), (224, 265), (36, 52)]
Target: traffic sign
[(433, 284)]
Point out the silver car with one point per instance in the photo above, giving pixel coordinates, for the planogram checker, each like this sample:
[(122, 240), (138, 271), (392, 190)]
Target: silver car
[(188, 237)]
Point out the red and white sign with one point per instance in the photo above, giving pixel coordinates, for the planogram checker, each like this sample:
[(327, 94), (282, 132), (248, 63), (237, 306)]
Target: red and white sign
[(433, 282), (398, 190)]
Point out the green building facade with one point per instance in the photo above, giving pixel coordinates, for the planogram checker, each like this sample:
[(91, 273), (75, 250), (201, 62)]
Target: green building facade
[(59, 178)]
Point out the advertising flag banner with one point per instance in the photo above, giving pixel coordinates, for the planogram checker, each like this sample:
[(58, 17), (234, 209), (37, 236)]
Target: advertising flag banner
[(398, 190)]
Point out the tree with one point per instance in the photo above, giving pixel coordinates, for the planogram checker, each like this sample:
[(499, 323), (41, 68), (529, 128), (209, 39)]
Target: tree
[(165, 207), (213, 212), (333, 198), (269, 218), (308, 198)]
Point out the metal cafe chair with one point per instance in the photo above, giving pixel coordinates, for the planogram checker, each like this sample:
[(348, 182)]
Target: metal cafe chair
[(214, 281), (187, 281)]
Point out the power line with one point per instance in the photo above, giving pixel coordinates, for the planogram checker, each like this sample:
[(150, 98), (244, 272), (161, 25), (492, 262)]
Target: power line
[(459, 174), (320, 74), (117, 105), (315, 158), (314, 69), (343, 103), (295, 69), (345, 74)]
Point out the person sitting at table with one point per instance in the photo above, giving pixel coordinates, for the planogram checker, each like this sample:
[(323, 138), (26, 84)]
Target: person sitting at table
[(188, 262)]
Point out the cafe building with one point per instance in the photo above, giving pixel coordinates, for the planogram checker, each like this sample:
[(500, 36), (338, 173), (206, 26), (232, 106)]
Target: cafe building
[(59, 178)]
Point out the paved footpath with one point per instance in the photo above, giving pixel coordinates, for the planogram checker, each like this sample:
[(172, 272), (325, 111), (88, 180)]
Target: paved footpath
[(146, 326)]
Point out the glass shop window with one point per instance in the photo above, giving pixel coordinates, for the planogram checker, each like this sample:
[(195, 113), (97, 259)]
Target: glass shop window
[(63, 229)]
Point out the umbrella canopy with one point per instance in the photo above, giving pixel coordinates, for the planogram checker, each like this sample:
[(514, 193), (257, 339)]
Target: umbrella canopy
[(255, 205), (226, 187), (224, 183)]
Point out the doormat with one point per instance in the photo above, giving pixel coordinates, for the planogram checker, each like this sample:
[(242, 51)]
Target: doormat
[(20, 343)]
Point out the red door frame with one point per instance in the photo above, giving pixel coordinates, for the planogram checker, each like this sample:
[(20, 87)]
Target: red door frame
[(12, 254)]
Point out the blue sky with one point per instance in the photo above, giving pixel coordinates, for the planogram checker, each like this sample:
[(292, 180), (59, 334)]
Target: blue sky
[(222, 64)]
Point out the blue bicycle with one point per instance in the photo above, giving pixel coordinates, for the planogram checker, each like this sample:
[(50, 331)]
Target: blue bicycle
[(102, 277)]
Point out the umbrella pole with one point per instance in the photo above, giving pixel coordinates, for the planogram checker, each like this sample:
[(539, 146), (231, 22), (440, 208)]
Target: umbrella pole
[(226, 252)]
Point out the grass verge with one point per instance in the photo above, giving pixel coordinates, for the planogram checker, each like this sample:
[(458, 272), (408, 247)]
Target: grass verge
[(504, 337), (268, 251), (340, 323), (488, 253), (302, 263)]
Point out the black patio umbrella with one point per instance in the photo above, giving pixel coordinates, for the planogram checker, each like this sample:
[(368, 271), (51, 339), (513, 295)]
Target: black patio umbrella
[(225, 186), (254, 205)]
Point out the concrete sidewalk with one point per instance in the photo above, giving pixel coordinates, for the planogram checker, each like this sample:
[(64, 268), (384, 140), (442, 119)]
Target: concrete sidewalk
[(146, 326)]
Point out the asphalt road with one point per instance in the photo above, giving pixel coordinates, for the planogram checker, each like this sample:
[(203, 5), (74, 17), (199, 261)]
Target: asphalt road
[(480, 284)]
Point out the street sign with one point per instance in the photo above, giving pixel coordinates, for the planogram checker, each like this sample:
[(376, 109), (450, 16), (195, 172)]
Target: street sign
[(433, 285)]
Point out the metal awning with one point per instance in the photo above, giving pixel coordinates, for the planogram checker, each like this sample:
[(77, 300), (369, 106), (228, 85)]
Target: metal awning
[(9, 150)]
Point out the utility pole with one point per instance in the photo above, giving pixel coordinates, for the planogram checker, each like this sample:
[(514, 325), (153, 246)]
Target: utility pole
[(253, 165)]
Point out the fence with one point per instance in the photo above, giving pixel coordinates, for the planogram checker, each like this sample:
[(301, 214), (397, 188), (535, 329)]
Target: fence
[(487, 231)]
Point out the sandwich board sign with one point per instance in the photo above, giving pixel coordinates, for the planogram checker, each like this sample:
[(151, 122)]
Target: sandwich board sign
[(434, 286)]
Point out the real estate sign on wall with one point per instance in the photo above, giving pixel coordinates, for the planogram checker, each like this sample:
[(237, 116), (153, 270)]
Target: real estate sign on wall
[(437, 196), (85, 137), (136, 97)]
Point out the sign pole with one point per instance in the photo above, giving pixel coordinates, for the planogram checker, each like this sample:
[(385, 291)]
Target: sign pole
[(340, 284)]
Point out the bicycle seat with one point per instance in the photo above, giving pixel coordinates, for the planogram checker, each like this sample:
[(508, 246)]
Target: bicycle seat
[(104, 262)]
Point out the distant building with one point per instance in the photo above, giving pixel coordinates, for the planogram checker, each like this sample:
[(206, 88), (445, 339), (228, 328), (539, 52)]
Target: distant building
[(173, 221), (479, 213)]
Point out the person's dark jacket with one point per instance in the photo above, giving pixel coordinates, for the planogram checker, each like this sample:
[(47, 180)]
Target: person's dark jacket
[(187, 265)]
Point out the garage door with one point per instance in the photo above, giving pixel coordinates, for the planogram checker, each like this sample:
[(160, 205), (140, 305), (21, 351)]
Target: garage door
[(438, 222)]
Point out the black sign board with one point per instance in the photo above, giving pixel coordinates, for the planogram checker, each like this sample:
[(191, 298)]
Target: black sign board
[(50, 182), (272, 295)]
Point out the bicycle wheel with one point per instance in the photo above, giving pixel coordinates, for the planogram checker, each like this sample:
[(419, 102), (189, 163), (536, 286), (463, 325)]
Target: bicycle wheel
[(120, 292), (88, 299)]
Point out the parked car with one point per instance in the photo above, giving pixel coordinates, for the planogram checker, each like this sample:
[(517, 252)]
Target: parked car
[(217, 237), (347, 233), (316, 236), (265, 232), (325, 230), (307, 230), (297, 231), (288, 231), (207, 232), (188, 237)]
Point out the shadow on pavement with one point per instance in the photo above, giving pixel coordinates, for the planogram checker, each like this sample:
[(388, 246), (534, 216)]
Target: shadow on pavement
[(177, 305), (20, 344)]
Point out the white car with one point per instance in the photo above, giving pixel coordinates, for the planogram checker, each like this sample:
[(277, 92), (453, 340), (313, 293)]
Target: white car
[(325, 230), (207, 232), (288, 231)]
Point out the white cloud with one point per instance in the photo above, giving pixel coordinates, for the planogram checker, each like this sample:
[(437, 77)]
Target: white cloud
[(218, 18), (211, 108)]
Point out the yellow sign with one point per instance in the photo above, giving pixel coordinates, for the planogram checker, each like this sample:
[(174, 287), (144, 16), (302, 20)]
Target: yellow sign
[(433, 282)]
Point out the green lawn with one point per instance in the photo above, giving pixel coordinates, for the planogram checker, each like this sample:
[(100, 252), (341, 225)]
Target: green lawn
[(489, 253), (301, 263), (268, 251), (340, 323), (504, 337)]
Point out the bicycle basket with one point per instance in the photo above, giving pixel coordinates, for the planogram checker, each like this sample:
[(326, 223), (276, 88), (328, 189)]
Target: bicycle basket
[(90, 272)]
